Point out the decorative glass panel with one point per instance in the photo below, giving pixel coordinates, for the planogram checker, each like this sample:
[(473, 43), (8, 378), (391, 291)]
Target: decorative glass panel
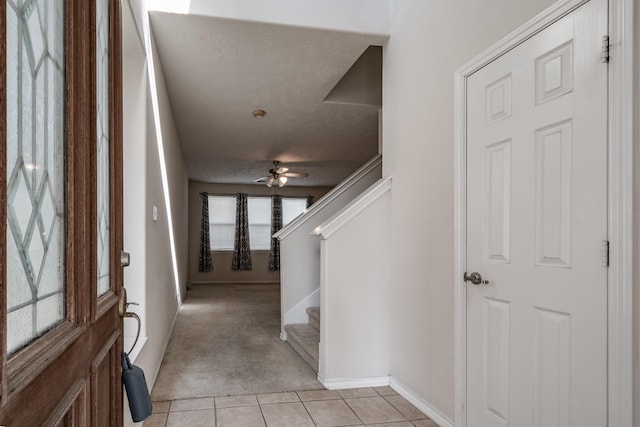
[(102, 103), (35, 169)]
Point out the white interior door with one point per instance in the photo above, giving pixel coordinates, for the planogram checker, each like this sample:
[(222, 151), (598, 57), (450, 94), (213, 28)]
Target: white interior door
[(536, 222)]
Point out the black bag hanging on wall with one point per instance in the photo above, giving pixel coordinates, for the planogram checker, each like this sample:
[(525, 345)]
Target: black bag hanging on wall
[(135, 386)]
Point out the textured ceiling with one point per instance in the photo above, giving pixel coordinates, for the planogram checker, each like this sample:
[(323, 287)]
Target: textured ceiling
[(218, 71)]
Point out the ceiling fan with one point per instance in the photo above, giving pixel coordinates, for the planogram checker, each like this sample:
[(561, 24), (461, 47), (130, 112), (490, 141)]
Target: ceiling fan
[(279, 174)]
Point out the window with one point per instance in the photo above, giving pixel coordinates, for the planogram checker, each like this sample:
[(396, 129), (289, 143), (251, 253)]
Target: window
[(291, 208), (259, 223), (222, 216)]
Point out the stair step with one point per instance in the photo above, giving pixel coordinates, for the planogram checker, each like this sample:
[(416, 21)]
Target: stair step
[(304, 339), (314, 317)]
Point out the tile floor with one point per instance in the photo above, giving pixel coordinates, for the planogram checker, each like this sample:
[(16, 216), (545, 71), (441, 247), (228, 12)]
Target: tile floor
[(377, 406)]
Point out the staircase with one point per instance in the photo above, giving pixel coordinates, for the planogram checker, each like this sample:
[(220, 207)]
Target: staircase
[(305, 337)]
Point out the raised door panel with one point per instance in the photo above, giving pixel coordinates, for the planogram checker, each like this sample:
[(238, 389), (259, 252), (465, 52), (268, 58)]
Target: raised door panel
[(536, 217), (103, 392), (496, 360), (552, 232), (552, 369), (497, 188)]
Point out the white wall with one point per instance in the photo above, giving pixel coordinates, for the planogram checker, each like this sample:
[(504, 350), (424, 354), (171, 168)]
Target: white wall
[(429, 40), (151, 280), (135, 90), (177, 180), (300, 251), (163, 299), (355, 331), (636, 374)]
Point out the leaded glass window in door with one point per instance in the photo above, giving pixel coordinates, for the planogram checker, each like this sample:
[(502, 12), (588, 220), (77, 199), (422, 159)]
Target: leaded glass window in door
[(103, 127), (35, 169)]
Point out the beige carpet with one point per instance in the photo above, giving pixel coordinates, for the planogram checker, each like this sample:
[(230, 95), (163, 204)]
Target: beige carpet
[(226, 341)]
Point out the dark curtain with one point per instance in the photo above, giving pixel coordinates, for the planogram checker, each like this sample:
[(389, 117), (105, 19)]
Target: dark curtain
[(276, 225), (309, 201), (241, 250), (205, 263)]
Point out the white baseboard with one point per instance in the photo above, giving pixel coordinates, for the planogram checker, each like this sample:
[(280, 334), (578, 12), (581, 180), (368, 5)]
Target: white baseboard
[(298, 313), (135, 351), (283, 335), (422, 405), (343, 383), (152, 378)]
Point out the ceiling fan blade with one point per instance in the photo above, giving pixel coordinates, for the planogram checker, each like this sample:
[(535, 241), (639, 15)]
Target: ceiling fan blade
[(262, 179), (295, 174)]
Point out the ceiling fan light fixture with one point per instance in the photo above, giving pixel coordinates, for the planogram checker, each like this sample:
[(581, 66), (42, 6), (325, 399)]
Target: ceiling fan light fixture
[(270, 181), (280, 175)]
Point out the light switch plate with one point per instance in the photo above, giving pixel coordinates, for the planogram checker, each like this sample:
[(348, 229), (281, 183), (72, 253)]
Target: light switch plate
[(155, 213)]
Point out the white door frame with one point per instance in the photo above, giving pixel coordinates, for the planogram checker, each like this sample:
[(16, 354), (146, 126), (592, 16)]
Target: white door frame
[(621, 224)]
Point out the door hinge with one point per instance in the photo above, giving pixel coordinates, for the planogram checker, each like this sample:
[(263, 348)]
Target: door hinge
[(605, 49), (605, 253)]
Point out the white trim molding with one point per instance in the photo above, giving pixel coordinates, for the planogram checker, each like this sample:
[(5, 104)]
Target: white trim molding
[(135, 351), (621, 213), (155, 370), (352, 209), (344, 383), (329, 197), (460, 243), (423, 406), (622, 218)]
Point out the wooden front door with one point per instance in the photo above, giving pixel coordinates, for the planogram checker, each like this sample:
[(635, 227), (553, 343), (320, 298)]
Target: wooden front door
[(61, 213), (537, 221)]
